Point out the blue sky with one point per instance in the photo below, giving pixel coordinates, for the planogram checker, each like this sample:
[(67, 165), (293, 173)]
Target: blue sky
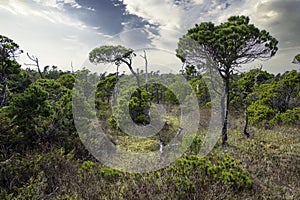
[(59, 32)]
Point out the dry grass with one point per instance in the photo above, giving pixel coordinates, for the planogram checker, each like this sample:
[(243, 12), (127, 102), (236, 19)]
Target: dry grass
[(272, 158)]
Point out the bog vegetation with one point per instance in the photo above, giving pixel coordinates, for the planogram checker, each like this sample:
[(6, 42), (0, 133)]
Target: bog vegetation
[(42, 156)]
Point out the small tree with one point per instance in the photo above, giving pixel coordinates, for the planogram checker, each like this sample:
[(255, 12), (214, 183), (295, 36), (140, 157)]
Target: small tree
[(114, 54), (228, 45)]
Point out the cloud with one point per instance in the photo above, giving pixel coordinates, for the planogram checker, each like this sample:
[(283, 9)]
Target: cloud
[(59, 4), (280, 18), (49, 33), (50, 12), (164, 13)]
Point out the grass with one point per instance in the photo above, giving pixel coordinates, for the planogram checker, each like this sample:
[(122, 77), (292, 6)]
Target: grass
[(271, 157)]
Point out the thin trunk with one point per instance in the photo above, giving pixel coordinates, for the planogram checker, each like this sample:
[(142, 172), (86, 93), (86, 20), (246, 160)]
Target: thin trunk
[(72, 67), (3, 95), (246, 124), (116, 87), (38, 66), (225, 109), (157, 95), (146, 69), (162, 95), (129, 64), (138, 77)]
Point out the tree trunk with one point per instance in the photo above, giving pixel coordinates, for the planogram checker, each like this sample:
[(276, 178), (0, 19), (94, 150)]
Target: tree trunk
[(146, 69), (225, 108), (157, 94), (246, 124), (3, 95), (162, 94), (138, 77), (115, 93)]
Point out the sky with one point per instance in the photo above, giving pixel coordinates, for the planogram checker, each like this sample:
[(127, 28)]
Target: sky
[(61, 32)]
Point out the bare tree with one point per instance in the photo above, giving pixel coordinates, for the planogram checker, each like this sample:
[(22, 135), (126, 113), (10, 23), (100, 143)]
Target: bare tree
[(146, 69), (36, 63)]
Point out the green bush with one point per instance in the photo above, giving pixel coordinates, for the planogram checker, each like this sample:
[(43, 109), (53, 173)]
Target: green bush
[(260, 113), (290, 117)]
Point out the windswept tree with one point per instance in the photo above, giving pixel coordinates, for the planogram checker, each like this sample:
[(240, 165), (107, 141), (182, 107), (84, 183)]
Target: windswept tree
[(9, 50), (228, 46), (114, 54)]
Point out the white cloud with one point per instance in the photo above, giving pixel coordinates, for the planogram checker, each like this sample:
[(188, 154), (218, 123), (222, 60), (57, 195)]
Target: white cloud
[(164, 13), (48, 33), (280, 18), (52, 12), (58, 3)]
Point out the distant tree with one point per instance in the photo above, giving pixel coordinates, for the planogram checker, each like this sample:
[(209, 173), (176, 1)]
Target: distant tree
[(228, 45), (114, 54), (9, 50)]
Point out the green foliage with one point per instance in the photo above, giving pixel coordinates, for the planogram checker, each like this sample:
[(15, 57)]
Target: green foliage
[(9, 50), (276, 98), (260, 114), (17, 83), (105, 87), (87, 166), (290, 117), (110, 173), (231, 43), (29, 111), (190, 171), (110, 54), (230, 172), (35, 189), (138, 105), (67, 80), (37, 175), (201, 91)]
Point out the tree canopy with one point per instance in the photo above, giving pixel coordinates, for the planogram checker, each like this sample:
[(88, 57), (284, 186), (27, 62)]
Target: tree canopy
[(114, 54), (232, 43), (9, 50)]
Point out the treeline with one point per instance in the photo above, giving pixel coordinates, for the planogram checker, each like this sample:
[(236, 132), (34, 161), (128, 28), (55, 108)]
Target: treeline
[(38, 112)]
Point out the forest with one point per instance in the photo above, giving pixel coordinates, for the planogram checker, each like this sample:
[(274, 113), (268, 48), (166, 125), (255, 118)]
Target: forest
[(50, 118)]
